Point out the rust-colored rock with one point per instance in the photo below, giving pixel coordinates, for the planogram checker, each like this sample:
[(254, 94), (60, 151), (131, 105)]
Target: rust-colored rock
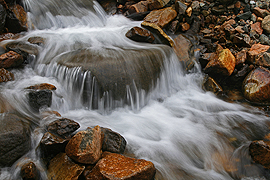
[(266, 24), (36, 40), (6, 75), (10, 59), (189, 11), (61, 167), (181, 48), (63, 127), (260, 12), (242, 40), (42, 86), (139, 7), (257, 27), (29, 171), (260, 152), (85, 146), (241, 57), (211, 85), (16, 20), (254, 51), (256, 86), (185, 26), (115, 166), (159, 32), (157, 4), (223, 63), (161, 17), (140, 35)]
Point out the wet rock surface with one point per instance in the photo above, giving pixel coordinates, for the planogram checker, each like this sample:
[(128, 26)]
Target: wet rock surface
[(29, 171)]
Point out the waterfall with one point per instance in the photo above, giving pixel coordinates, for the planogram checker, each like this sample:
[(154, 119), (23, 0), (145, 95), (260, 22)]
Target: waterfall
[(186, 132)]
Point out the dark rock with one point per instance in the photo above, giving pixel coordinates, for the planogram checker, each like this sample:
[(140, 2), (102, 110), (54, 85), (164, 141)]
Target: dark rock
[(22, 48), (63, 127), (40, 98), (157, 4), (263, 59), (14, 139), (85, 146), (264, 39), (29, 171), (245, 16), (112, 141), (254, 51), (6, 75), (241, 57), (140, 7), (3, 15), (174, 26), (140, 35), (16, 20), (218, 10), (11, 59), (260, 152), (211, 85), (61, 167), (242, 40), (42, 87), (180, 7), (116, 166), (137, 16), (256, 86)]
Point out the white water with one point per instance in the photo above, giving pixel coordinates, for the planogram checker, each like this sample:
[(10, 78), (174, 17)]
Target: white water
[(180, 128)]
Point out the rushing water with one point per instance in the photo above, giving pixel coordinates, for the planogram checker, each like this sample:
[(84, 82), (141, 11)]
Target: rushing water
[(186, 132)]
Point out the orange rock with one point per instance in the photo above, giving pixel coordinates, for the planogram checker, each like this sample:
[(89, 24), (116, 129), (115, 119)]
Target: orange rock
[(115, 166), (257, 27), (161, 17), (223, 63), (140, 35), (185, 26), (260, 152), (42, 86), (260, 12), (255, 50), (85, 146), (189, 11), (139, 7), (61, 167), (256, 86), (10, 59)]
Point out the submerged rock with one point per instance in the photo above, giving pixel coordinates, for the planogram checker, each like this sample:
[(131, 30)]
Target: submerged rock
[(40, 98), (116, 166)]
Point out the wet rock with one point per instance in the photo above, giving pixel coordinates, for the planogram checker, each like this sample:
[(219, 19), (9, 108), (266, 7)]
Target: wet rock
[(7, 36), (256, 86), (116, 166), (260, 152), (36, 40), (161, 17), (3, 15), (180, 7), (266, 24), (257, 27), (42, 86), (63, 127), (11, 59), (40, 98), (237, 77), (223, 63), (157, 4), (22, 48), (6, 75), (140, 35), (139, 7), (181, 48), (85, 146), (112, 141), (254, 51), (61, 167), (211, 85), (29, 171), (260, 12), (159, 32), (14, 139), (16, 20)]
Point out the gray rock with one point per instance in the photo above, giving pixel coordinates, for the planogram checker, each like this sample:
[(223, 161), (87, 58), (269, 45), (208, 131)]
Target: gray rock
[(266, 24), (264, 39)]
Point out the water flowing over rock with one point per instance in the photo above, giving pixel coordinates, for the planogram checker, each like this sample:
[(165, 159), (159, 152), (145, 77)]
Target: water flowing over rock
[(256, 86), (40, 98), (14, 139), (85, 146), (116, 166), (61, 167)]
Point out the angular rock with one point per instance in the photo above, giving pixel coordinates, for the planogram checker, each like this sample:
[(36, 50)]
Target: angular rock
[(42, 87), (263, 59), (189, 11), (254, 51), (85, 146), (139, 7), (61, 167), (16, 20), (11, 59), (242, 41), (223, 63), (140, 35), (116, 166), (112, 141), (180, 7), (63, 127), (157, 4), (40, 98), (257, 27), (264, 39), (266, 24), (185, 26), (240, 57), (14, 139), (29, 171), (181, 48), (260, 152), (174, 26), (159, 32), (6, 75), (260, 12), (211, 85), (256, 86), (161, 17), (245, 16)]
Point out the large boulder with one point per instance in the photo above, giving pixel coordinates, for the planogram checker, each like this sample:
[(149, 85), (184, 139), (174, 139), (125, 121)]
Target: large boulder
[(14, 139), (16, 20), (61, 167), (85, 146), (256, 86), (115, 166)]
